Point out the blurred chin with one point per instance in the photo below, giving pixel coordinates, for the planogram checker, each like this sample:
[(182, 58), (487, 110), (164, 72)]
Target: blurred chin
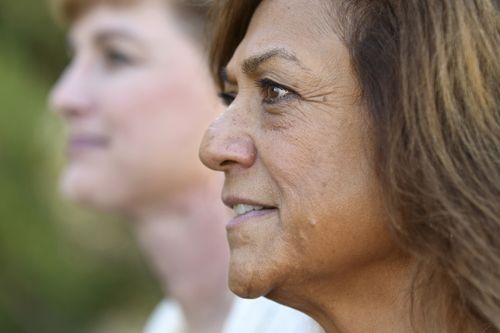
[(88, 190)]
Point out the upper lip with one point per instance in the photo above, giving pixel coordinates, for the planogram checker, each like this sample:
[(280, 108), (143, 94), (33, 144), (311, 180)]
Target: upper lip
[(231, 201)]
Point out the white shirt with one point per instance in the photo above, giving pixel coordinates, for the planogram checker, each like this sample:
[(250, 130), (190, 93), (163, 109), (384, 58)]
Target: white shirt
[(167, 317), (246, 316)]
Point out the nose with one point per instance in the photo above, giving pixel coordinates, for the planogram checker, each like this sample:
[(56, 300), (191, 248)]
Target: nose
[(227, 144), (70, 96)]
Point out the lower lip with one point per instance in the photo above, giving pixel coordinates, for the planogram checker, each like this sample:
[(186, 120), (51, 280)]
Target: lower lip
[(255, 215)]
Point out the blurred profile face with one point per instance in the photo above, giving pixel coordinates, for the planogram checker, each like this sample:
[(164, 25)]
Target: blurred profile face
[(295, 145), (135, 99)]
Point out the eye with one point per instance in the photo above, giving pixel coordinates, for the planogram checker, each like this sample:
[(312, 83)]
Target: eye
[(115, 58), (273, 92), (227, 98)]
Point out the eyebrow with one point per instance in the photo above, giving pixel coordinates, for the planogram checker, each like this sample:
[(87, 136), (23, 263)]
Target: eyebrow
[(252, 64), (104, 36)]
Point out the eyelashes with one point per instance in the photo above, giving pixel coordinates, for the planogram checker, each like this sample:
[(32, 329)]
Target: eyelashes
[(227, 98), (271, 93)]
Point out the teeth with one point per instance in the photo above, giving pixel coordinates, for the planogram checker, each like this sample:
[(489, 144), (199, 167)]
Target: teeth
[(241, 209)]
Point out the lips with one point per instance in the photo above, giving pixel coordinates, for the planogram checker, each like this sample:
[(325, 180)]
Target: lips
[(77, 143), (241, 209), (246, 210)]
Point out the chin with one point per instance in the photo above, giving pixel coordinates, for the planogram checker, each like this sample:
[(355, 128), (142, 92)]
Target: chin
[(249, 278), (88, 191)]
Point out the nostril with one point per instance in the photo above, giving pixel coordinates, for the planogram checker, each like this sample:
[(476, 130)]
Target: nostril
[(226, 163)]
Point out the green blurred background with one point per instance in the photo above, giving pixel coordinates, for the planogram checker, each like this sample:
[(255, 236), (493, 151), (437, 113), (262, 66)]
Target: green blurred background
[(61, 269)]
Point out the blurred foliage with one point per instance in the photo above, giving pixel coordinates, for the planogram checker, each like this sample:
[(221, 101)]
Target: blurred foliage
[(61, 270)]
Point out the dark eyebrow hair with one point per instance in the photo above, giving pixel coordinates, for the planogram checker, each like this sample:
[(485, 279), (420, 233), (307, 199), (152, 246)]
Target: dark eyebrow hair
[(251, 64)]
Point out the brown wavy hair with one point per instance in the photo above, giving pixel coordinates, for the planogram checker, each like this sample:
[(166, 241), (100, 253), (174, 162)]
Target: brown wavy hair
[(429, 74)]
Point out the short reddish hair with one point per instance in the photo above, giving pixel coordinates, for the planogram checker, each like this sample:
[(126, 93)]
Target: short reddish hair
[(70, 10), (195, 12)]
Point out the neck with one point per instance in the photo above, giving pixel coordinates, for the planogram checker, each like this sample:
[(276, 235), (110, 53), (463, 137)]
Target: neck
[(184, 240), (375, 299)]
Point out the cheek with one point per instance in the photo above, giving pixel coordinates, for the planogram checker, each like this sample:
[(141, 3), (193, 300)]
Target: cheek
[(160, 100), (134, 97), (302, 161), (149, 124), (328, 192), (141, 111), (319, 151)]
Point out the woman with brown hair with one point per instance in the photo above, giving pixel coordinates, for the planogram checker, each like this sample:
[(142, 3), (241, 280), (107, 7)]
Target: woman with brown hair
[(361, 153), (135, 99)]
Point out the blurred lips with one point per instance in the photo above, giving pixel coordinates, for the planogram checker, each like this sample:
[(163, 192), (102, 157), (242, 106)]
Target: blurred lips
[(246, 210), (83, 142)]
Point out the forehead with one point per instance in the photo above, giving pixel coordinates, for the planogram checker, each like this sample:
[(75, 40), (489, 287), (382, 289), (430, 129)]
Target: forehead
[(140, 18), (302, 28)]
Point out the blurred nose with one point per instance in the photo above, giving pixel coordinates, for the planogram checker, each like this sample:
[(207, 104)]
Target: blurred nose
[(227, 144), (70, 96)]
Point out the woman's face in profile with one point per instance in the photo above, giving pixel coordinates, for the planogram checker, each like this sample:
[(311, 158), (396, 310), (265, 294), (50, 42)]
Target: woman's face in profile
[(135, 99), (296, 148)]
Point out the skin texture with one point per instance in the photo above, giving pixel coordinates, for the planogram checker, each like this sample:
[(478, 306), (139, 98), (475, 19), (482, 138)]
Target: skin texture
[(135, 100), (302, 147)]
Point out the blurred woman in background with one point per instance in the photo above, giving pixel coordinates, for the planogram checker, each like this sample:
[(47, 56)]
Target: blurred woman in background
[(361, 153), (135, 99)]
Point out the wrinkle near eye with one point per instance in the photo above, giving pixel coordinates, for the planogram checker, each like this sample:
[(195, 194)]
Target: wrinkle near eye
[(284, 117), (333, 95)]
